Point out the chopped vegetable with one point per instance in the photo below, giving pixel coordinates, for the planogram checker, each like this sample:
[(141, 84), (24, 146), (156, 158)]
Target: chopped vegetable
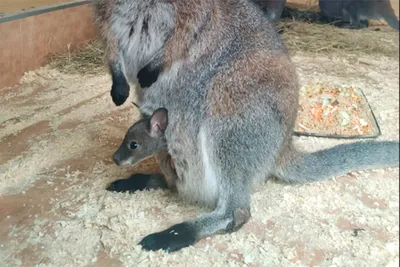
[(333, 110)]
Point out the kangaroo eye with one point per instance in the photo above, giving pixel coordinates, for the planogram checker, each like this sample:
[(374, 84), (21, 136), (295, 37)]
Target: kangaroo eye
[(133, 145)]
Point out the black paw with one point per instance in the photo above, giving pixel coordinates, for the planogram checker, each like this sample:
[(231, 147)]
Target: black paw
[(173, 239), (119, 93), (148, 75), (118, 186), (138, 182)]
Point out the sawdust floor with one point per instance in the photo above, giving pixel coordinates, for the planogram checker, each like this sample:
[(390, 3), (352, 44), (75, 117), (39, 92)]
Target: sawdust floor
[(58, 133)]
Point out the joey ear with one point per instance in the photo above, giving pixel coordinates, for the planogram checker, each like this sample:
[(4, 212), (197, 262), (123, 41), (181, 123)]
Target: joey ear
[(158, 122)]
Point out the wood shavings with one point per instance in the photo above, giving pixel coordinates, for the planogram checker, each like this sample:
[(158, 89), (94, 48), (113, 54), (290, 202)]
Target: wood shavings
[(291, 225)]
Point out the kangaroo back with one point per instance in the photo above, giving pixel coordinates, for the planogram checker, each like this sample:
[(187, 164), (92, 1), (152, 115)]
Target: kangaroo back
[(295, 166)]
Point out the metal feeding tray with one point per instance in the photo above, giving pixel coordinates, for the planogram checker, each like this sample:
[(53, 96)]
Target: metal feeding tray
[(331, 111)]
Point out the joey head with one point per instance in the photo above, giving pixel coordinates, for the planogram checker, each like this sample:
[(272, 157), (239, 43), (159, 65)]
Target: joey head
[(143, 139)]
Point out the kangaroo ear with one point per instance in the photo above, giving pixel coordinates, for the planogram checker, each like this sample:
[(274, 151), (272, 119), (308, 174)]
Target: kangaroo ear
[(158, 122)]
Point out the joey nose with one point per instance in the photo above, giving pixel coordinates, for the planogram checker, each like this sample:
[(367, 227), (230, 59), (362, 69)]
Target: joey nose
[(116, 158)]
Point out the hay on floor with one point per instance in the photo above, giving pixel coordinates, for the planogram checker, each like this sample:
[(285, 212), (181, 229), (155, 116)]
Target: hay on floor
[(87, 60), (304, 36), (299, 34)]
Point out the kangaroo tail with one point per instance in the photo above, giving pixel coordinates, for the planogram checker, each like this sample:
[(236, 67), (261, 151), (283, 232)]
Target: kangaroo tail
[(392, 21), (387, 12), (295, 166)]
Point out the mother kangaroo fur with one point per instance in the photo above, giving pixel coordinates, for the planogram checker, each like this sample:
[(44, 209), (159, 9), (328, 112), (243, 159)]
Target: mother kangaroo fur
[(231, 91)]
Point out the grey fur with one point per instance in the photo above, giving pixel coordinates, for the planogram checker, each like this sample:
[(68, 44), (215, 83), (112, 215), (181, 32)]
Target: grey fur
[(337, 161), (231, 93), (356, 10), (146, 26)]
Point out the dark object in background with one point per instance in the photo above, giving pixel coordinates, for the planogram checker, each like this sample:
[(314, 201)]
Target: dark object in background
[(273, 8), (303, 15), (357, 12)]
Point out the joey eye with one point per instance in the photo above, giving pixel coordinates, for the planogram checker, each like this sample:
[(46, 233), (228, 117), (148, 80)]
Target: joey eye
[(133, 145)]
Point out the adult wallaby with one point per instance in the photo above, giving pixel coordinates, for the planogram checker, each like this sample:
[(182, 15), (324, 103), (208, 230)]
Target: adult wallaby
[(231, 92), (273, 8), (359, 11)]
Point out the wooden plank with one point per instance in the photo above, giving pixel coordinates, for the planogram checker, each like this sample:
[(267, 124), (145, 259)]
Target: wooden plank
[(11, 6)]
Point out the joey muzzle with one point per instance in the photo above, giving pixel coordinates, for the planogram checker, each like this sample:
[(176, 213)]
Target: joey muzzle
[(121, 156)]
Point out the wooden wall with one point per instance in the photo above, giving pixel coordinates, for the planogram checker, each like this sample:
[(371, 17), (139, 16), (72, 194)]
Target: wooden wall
[(26, 42)]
